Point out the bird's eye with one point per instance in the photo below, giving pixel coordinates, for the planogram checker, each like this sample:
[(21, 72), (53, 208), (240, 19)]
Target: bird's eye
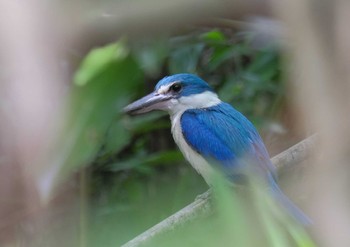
[(176, 88)]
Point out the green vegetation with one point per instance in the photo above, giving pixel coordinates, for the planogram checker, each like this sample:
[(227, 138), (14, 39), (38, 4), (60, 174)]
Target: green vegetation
[(136, 175)]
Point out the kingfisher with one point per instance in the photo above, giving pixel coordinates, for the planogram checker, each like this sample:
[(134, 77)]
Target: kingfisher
[(212, 135)]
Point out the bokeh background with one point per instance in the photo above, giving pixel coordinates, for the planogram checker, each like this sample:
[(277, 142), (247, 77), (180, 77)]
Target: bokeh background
[(75, 171)]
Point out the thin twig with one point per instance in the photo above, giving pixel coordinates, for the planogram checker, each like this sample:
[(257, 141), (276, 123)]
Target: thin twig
[(201, 206)]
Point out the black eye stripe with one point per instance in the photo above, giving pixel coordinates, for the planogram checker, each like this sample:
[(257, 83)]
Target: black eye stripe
[(176, 87)]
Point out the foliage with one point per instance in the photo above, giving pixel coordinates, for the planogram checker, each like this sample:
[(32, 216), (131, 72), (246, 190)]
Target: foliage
[(137, 176)]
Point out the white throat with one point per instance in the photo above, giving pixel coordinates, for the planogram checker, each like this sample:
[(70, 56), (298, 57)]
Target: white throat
[(176, 108), (203, 100)]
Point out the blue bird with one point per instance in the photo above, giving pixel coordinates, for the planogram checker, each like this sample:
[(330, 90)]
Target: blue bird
[(212, 135)]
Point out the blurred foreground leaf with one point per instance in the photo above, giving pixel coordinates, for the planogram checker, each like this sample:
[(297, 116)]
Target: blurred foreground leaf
[(242, 217), (105, 79), (97, 60), (101, 88)]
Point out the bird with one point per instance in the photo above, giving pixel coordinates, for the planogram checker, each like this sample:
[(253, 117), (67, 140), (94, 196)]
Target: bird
[(214, 136)]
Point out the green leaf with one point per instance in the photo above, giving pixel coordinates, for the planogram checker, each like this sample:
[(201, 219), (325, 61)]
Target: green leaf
[(185, 59), (145, 123), (219, 56), (97, 98), (214, 36), (98, 59), (160, 158), (151, 56)]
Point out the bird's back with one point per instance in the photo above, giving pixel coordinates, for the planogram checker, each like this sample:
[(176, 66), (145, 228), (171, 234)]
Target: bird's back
[(223, 137)]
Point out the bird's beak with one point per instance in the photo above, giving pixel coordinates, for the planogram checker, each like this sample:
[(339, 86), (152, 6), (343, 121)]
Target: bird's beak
[(153, 101)]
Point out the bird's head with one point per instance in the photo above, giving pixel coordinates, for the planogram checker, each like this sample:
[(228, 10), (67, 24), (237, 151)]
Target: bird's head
[(174, 94)]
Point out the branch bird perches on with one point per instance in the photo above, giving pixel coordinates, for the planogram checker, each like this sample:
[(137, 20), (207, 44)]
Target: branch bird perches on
[(201, 206)]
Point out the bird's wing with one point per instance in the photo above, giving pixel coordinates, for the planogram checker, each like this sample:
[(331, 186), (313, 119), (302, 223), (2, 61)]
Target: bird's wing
[(223, 135)]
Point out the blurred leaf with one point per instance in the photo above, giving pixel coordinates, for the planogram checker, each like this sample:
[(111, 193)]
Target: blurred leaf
[(301, 237), (262, 60), (151, 56), (97, 60), (214, 37), (103, 82), (161, 158), (231, 89), (219, 56), (232, 213), (145, 123), (166, 157), (185, 59)]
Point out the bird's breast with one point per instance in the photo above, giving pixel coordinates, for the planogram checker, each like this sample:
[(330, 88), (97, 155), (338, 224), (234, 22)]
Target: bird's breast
[(195, 159)]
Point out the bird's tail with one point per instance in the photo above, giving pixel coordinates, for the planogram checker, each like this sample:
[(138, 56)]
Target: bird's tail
[(286, 203)]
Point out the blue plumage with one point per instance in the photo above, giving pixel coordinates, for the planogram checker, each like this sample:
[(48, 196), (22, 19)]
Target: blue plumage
[(222, 134), (192, 84), (211, 133)]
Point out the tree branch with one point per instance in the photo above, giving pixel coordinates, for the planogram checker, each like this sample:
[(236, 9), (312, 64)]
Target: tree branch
[(201, 206)]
